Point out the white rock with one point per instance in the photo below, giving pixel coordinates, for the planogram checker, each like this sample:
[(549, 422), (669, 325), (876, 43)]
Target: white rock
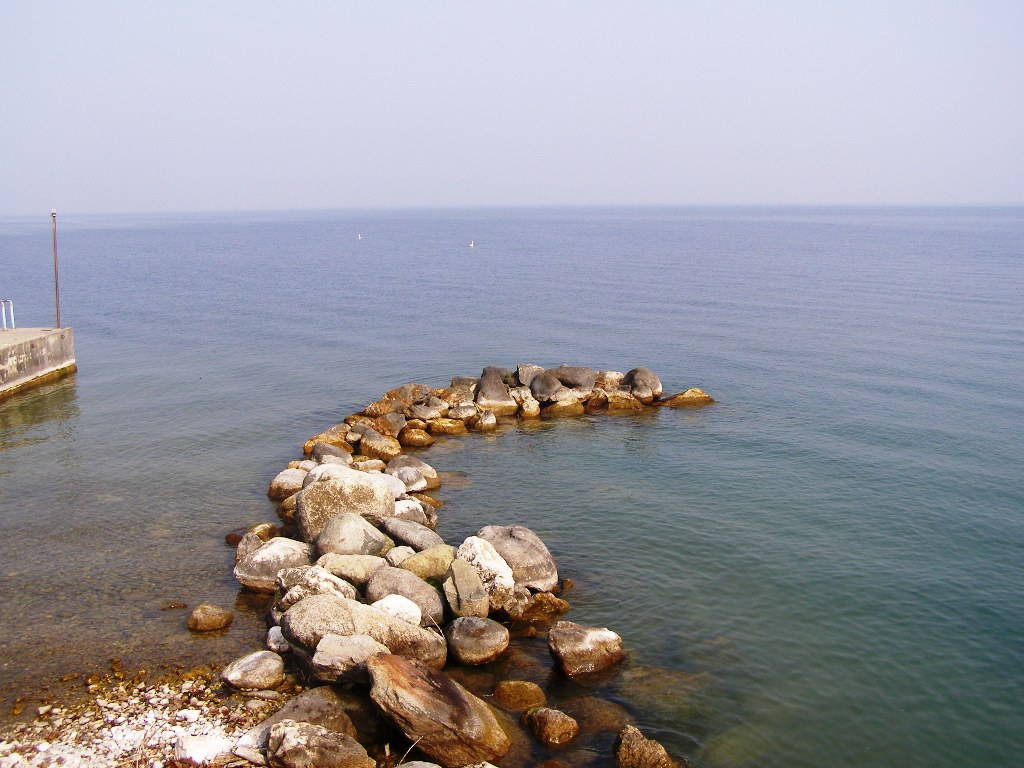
[(494, 572), (201, 750), (286, 483), (189, 715), (400, 607), (255, 671)]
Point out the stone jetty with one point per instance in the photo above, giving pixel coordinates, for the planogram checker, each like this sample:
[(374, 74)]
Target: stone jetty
[(406, 642)]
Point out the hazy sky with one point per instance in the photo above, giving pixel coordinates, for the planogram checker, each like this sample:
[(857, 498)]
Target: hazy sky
[(149, 106)]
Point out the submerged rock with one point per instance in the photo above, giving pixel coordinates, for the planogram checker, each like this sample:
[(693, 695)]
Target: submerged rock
[(633, 750), (445, 720), (306, 622), (551, 727), (473, 640), (258, 569), (531, 563), (689, 398), (517, 695), (207, 617), (583, 650)]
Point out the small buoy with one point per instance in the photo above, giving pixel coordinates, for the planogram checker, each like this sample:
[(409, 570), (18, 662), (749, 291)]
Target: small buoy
[(472, 243), (359, 236)]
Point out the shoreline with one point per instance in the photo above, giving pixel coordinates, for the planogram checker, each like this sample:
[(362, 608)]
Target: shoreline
[(383, 432)]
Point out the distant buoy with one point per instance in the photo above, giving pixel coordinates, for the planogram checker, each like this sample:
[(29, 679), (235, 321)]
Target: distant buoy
[(472, 243), (359, 236)]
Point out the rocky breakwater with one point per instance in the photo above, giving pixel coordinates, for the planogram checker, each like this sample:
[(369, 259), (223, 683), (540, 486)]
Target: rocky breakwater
[(369, 599), (403, 636)]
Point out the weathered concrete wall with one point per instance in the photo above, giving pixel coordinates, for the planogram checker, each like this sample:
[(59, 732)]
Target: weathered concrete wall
[(34, 355)]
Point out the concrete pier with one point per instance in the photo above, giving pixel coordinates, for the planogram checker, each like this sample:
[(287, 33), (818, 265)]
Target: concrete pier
[(31, 356)]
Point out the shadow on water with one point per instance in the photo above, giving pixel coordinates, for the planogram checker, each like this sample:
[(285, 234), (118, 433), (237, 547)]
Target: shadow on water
[(35, 415)]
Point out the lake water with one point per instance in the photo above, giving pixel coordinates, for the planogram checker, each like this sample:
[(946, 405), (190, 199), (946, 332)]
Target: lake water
[(824, 568)]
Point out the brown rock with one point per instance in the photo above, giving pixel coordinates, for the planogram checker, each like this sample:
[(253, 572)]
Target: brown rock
[(286, 509), (519, 695), (541, 606), (415, 438), (632, 750), (433, 501), (584, 650), (446, 427), (598, 401), (619, 400), (333, 436), (691, 398), (561, 408), (207, 617), (445, 720), (378, 446), (597, 715), (551, 727)]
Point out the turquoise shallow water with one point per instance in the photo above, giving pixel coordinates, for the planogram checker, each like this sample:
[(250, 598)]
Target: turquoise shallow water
[(825, 568)]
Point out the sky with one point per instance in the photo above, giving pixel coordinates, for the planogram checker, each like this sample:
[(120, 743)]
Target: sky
[(196, 106)]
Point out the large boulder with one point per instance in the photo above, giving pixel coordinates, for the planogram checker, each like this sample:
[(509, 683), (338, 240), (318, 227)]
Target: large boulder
[(575, 377), (292, 744), (633, 750), (256, 671), (286, 483), (306, 622), (341, 490), (527, 372), (531, 562), (417, 536), (441, 717), (494, 572), (342, 658), (355, 569), (583, 650), (319, 706), (349, 534), (473, 640), (492, 394), (431, 563), (258, 569), (545, 386), (643, 384), (398, 581), (464, 590)]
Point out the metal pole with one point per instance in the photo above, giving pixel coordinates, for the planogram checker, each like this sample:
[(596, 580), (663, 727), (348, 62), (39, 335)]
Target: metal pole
[(56, 273)]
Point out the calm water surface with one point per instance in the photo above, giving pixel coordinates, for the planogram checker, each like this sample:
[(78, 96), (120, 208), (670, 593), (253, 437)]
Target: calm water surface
[(823, 569)]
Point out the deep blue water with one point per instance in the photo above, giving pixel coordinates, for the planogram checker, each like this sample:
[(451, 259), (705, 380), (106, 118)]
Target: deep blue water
[(824, 568)]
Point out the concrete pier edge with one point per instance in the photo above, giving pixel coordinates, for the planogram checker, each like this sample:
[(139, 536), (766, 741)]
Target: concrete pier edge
[(30, 357)]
